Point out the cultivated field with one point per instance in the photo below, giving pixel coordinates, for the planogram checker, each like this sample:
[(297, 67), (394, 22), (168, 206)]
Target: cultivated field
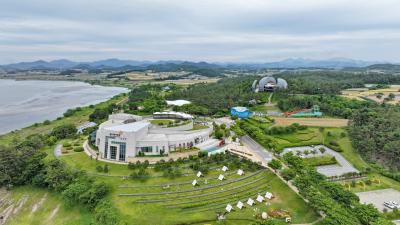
[(317, 122), (364, 93)]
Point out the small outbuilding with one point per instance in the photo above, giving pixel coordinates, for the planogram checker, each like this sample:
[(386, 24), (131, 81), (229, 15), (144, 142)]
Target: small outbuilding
[(241, 112)]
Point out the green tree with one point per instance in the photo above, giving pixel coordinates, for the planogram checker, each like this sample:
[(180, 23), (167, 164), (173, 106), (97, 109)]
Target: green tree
[(64, 131), (275, 164)]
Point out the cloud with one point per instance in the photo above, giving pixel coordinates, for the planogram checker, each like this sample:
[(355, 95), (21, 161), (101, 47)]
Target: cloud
[(210, 30)]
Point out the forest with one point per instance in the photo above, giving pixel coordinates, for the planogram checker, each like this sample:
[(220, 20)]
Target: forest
[(219, 97), (375, 134), (332, 82)]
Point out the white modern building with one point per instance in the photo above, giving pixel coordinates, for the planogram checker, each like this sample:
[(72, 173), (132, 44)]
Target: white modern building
[(124, 136)]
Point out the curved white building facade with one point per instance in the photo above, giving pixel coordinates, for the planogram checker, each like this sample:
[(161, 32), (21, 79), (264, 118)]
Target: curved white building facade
[(124, 136)]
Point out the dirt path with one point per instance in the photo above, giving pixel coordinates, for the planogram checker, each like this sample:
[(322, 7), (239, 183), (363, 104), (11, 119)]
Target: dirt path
[(53, 213), (320, 122), (37, 206)]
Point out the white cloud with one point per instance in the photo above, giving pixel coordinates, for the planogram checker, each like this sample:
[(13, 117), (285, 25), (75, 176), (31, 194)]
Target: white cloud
[(211, 30)]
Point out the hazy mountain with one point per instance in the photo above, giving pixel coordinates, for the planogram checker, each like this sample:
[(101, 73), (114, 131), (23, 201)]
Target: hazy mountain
[(384, 66), (335, 63), (168, 65)]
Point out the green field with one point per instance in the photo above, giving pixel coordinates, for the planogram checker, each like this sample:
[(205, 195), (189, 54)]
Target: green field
[(320, 160), (193, 205), (35, 206)]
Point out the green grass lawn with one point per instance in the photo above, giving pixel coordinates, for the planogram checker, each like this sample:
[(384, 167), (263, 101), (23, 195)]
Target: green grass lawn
[(138, 213), (160, 122), (199, 127), (320, 160), (44, 207)]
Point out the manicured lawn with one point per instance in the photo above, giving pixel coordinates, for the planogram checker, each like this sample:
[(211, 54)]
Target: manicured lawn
[(320, 160), (205, 203), (199, 127), (44, 207), (161, 122)]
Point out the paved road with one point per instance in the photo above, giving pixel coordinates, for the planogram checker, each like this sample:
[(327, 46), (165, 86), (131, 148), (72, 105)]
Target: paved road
[(57, 150), (256, 148)]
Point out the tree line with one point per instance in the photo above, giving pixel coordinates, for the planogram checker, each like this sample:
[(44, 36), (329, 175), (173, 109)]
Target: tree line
[(23, 163)]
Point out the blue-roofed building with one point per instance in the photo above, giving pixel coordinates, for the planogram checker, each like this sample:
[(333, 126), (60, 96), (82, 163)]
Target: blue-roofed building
[(241, 112)]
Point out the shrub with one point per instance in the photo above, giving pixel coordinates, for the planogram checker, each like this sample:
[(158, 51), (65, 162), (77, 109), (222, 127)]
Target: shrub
[(66, 145), (105, 169), (99, 168), (78, 149), (131, 166), (105, 213), (64, 131), (275, 164), (334, 143)]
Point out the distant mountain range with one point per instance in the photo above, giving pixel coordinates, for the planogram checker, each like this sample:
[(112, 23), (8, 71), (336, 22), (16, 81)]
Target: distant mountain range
[(118, 64)]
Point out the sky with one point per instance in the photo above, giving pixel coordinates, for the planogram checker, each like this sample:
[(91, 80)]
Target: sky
[(199, 30)]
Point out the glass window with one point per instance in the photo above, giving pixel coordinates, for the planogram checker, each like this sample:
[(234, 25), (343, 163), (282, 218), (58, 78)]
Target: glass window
[(113, 152), (147, 149), (122, 151)]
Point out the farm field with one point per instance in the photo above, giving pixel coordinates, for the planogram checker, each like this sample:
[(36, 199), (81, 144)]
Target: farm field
[(320, 122), (175, 200), (187, 82), (365, 93)]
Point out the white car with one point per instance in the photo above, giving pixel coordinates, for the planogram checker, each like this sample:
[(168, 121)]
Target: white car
[(390, 205)]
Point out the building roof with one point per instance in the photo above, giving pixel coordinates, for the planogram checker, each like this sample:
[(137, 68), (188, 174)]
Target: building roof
[(181, 114), (178, 102), (240, 109), (129, 127)]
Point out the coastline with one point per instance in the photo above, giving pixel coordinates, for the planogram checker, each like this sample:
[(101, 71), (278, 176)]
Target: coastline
[(58, 116)]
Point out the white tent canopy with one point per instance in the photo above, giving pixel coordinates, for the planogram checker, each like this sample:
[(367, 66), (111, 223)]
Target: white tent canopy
[(269, 195), (194, 183), (260, 198), (239, 205), (224, 168), (229, 208), (199, 174), (250, 202), (240, 172), (221, 177)]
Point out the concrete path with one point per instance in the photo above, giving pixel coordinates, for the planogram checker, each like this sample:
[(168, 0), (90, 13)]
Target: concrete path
[(268, 156), (257, 148), (57, 150)]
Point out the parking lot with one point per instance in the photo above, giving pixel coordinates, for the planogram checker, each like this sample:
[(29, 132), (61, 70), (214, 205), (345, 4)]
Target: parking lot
[(339, 169), (378, 197)]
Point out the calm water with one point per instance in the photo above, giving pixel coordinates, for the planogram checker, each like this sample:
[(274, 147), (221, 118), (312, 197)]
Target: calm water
[(23, 103)]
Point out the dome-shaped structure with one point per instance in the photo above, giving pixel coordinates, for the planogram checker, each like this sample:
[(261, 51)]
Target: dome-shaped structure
[(267, 84), (282, 83), (254, 85)]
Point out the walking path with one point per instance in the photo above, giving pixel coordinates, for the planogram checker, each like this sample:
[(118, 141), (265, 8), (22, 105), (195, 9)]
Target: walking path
[(259, 150)]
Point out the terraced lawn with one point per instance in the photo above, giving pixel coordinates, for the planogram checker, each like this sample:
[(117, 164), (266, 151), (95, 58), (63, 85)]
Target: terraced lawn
[(175, 201), (184, 203)]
